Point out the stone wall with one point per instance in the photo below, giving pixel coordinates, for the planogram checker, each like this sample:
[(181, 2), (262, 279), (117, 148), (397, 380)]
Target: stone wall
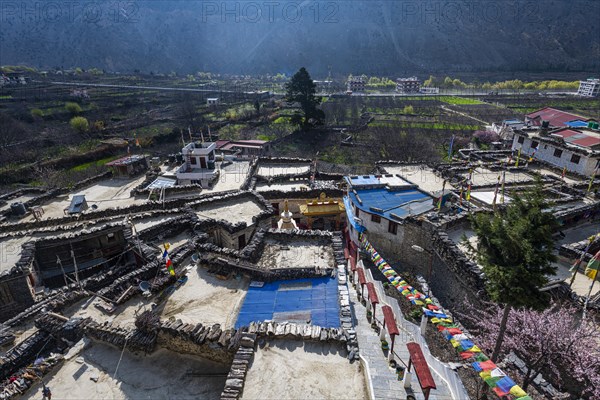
[(210, 342), (17, 294)]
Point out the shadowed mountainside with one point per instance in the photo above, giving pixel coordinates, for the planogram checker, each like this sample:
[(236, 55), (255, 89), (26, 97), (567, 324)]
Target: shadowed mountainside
[(378, 37)]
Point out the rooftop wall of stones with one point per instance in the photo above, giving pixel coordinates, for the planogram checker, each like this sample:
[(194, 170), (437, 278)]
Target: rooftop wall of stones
[(245, 261), (302, 195)]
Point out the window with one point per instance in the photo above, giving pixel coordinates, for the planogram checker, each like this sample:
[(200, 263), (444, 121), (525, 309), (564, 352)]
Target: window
[(521, 139), (193, 160), (534, 144), (375, 218), (357, 212), (393, 228), (557, 153), (575, 158)]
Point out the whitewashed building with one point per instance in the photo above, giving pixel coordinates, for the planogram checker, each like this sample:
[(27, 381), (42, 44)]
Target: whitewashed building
[(199, 164), (577, 150)]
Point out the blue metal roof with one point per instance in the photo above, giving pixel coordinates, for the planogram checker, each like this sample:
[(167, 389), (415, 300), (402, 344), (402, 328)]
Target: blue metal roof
[(400, 203), (363, 180)]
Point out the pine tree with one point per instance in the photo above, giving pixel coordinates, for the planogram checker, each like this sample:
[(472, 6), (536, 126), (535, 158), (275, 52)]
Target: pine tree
[(301, 89), (515, 249)]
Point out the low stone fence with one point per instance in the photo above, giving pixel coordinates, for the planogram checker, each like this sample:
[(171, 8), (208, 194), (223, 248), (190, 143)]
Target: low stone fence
[(234, 385), (210, 342)]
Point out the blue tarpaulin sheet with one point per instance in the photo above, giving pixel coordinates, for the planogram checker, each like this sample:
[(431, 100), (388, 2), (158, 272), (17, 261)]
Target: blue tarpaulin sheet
[(317, 297)]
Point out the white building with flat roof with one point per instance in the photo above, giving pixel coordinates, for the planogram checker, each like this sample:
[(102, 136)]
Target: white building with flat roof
[(199, 164), (589, 88)]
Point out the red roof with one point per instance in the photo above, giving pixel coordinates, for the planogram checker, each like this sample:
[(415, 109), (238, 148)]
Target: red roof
[(352, 263), (361, 276), (346, 253), (221, 143), (554, 116), (421, 368), (587, 141), (566, 133), (390, 321), (372, 293)]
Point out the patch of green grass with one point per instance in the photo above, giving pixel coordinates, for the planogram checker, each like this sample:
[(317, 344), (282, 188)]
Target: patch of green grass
[(425, 125), (458, 100), (267, 138), (7, 97), (97, 163), (282, 120)]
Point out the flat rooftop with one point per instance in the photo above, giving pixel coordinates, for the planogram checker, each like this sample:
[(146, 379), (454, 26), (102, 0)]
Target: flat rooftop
[(232, 176), (232, 210), (420, 174), (285, 369), (160, 375), (104, 194), (392, 204), (483, 176), (296, 253), (284, 186), (372, 181), (274, 169)]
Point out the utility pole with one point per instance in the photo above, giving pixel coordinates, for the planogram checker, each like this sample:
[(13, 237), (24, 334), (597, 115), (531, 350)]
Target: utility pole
[(62, 269), (76, 269)]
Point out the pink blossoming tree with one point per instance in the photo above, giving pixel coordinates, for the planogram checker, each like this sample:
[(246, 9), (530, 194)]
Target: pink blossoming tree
[(554, 341)]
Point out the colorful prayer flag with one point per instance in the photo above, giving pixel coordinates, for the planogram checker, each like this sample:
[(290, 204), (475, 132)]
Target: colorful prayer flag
[(592, 268)]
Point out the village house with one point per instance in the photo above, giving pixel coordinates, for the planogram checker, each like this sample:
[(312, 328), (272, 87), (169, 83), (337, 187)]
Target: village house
[(243, 148), (356, 84), (199, 164), (589, 88), (556, 118), (577, 150), (408, 85), (129, 166), (379, 205)]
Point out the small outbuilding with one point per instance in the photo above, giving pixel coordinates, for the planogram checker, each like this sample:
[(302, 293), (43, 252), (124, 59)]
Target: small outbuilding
[(129, 166)]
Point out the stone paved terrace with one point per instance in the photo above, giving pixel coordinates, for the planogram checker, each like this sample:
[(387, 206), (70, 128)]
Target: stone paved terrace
[(382, 379)]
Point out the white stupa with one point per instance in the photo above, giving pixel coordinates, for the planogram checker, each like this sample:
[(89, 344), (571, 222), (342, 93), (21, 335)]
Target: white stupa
[(286, 221)]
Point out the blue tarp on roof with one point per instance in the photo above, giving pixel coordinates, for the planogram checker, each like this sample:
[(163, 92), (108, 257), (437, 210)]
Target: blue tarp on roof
[(577, 124), (316, 297), (385, 202)]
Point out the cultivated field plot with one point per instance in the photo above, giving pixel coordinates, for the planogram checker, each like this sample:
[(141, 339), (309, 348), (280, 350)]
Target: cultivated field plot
[(285, 369), (92, 374)]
